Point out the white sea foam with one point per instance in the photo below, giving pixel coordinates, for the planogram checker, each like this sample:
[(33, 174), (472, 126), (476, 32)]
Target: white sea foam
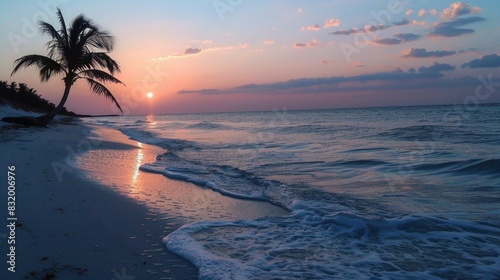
[(308, 245)]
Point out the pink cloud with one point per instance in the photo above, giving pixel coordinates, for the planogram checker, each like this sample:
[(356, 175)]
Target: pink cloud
[(312, 44), (189, 51), (332, 22), (459, 8), (315, 27)]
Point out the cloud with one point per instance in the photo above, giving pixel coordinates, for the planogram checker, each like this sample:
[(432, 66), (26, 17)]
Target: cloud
[(204, 91), (229, 48), (204, 42), (332, 23), (190, 51), (269, 42), (315, 27), (423, 53), (366, 29), (450, 32), (402, 22), (312, 44), (435, 69), (459, 22), (459, 8), (357, 65), (381, 80), (407, 37), (467, 50), (424, 12), (451, 28), (400, 38), (187, 52), (370, 28), (487, 61), (388, 41), (329, 23), (409, 12)]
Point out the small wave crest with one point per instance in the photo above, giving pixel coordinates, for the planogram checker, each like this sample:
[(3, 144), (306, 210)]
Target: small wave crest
[(208, 126), (430, 132), (149, 137), (415, 132), (226, 180), (490, 167)]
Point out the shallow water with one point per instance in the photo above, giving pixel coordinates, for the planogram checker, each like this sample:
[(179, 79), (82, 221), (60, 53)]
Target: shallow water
[(379, 192)]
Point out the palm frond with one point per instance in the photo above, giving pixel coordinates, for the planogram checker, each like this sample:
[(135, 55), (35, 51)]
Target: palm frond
[(101, 40), (99, 75), (47, 28), (46, 65), (64, 31), (57, 45), (93, 38), (77, 29), (92, 60), (101, 90), (111, 64)]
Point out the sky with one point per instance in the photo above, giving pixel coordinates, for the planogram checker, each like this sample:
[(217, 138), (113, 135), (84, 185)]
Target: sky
[(241, 55)]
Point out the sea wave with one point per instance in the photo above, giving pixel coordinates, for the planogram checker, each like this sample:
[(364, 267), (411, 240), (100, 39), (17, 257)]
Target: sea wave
[(208, 126), (355, 222), (225, 179), (309, 244), (199, 177), (489, 167), (439, 133)]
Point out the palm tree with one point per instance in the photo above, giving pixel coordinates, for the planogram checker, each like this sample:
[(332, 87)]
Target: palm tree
[(79, 51)]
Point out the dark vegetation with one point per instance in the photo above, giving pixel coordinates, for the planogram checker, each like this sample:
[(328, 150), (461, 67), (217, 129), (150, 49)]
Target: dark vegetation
[(20, 96)]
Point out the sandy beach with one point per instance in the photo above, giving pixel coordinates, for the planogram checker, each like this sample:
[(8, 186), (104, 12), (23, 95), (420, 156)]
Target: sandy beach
[(85, 211), (75, 228)]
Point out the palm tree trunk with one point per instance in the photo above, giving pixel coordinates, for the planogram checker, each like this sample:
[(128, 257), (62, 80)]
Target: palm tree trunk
[(47, 118), (64, 98)]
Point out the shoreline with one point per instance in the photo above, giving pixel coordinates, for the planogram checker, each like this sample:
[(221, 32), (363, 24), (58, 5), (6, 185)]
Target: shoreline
[(119, 170), (76, 228), (87, 212)]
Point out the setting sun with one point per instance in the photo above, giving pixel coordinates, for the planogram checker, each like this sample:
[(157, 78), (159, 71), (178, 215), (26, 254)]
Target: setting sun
[(149, 95)]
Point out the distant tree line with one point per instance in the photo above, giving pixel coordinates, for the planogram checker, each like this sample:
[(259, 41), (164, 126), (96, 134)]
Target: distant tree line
[(22, 97)]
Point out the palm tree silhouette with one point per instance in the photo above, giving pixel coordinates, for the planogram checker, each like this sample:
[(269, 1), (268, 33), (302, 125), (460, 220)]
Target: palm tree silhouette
[(79, 51)]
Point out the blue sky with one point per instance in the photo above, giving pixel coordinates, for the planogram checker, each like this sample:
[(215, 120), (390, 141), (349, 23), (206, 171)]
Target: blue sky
[(232, 55)]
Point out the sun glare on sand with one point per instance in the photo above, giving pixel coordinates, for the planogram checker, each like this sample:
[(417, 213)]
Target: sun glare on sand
[(149, 95)]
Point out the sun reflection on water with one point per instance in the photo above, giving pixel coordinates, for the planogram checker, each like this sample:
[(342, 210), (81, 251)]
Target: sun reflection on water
[(138, 163)]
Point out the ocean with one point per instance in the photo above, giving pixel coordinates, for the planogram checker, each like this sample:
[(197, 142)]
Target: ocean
[(372, 193)]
